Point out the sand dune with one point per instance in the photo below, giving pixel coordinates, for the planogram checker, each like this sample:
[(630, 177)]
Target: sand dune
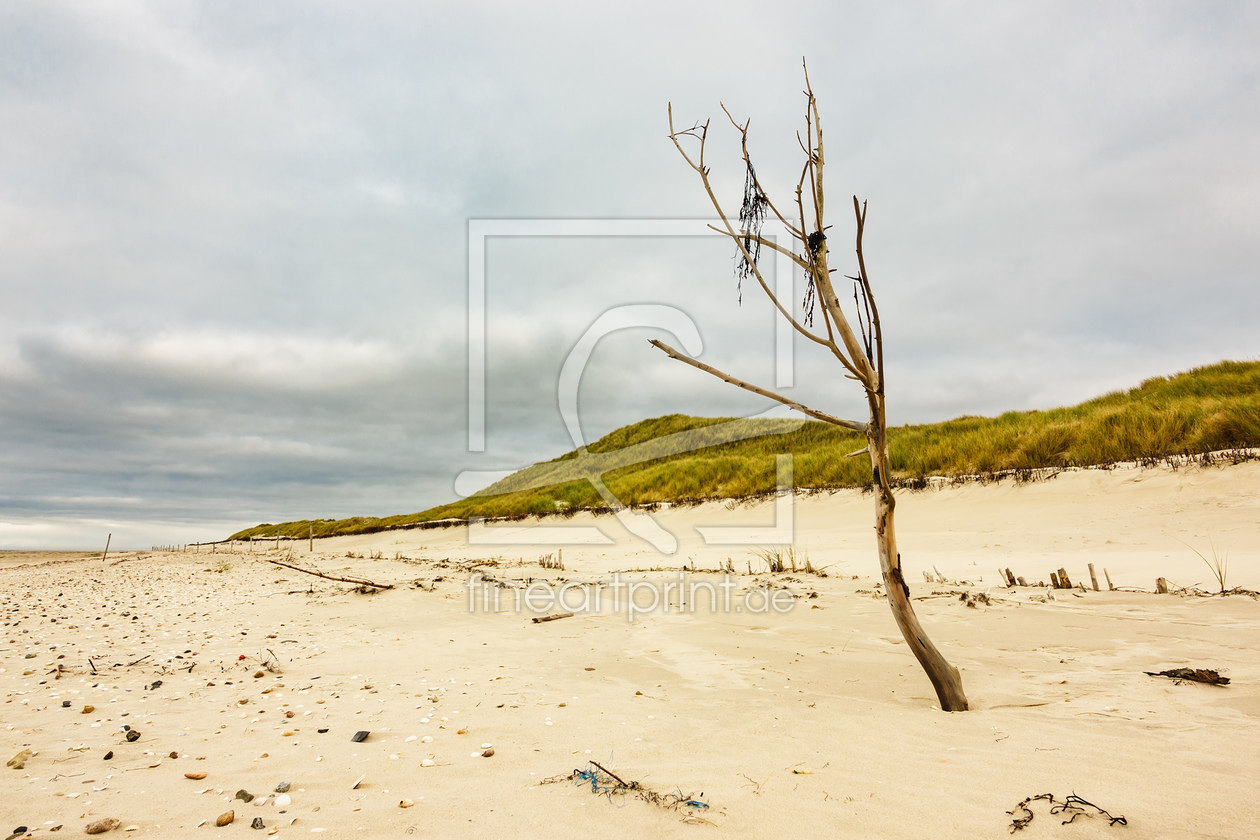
[(812, 720)]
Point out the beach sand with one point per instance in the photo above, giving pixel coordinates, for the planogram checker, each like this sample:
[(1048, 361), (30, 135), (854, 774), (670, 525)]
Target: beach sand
[(806, 721)]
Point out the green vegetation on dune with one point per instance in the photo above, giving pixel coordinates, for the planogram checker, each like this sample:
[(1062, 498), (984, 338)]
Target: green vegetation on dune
[(671, 458)]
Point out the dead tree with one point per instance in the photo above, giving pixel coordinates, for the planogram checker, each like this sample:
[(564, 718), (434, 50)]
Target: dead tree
[(860, 352)]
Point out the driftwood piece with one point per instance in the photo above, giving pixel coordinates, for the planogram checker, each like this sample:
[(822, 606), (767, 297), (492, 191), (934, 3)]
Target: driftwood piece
[(1161, 586), (1107, 575), (1065, 582), (541, 618), (355, 581), (1203, 675), (1092, 577), (1054, 580), (1022, 582)]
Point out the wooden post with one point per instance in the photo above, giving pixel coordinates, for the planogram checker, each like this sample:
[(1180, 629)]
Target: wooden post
[(1065, 582), (1010, 578), (1054, 580), (1110, 585), (311, 540), (1092, 577), (107, 539), (1161, 586), (1021, 582)]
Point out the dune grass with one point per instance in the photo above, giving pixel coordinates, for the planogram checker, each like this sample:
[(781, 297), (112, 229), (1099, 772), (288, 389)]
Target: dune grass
[(1203, 410)]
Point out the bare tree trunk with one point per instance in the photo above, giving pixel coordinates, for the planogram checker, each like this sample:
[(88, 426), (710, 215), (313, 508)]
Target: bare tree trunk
[(944, 676), (860, 352)]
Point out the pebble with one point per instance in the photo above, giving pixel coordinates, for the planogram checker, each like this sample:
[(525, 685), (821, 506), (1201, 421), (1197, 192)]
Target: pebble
[(173, 754), (360, 736), (428, 762), (197, 776), (257, 823), (487, 753), (101, 826), (225, 819), (65, 704), (283, 787), (244, 795), (87, 710), (108, 755), (283, 801), (133, 735)]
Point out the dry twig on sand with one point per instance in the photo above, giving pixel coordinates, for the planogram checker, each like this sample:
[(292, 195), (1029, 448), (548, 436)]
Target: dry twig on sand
[(356, 581)]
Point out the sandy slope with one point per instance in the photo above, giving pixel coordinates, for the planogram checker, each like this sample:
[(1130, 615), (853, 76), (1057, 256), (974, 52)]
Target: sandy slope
[(726, 706)]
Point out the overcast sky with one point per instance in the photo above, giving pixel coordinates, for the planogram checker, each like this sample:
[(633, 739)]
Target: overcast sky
[(234, 251)]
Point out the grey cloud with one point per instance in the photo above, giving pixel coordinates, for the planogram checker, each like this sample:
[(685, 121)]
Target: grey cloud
[(232, 237)]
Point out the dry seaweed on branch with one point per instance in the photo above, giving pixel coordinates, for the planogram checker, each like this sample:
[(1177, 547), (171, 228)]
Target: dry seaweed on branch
[(1072, 805), (1203, 675), (609, 784)]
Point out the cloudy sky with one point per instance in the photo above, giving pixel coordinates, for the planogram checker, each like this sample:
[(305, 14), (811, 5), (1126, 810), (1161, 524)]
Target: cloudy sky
[(234, 252)]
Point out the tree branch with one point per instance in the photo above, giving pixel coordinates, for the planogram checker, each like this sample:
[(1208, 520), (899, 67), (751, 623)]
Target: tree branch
[(792, 404)]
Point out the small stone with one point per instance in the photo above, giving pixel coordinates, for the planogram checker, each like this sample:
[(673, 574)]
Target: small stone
[(30, 656), (283, 801), (288, 733), (21, 829), (65, 704), (87, 710), (487, 753), (405, 803), (18, 762), (173, 754), (133, 735), (101, 826), (257, 823), (258, 674), (198, 776), (225, 819), (428, 762), (108, 756), (360, 736), (156, 684), (244, 795), (289, 713), (322, 731), (283, 787)]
